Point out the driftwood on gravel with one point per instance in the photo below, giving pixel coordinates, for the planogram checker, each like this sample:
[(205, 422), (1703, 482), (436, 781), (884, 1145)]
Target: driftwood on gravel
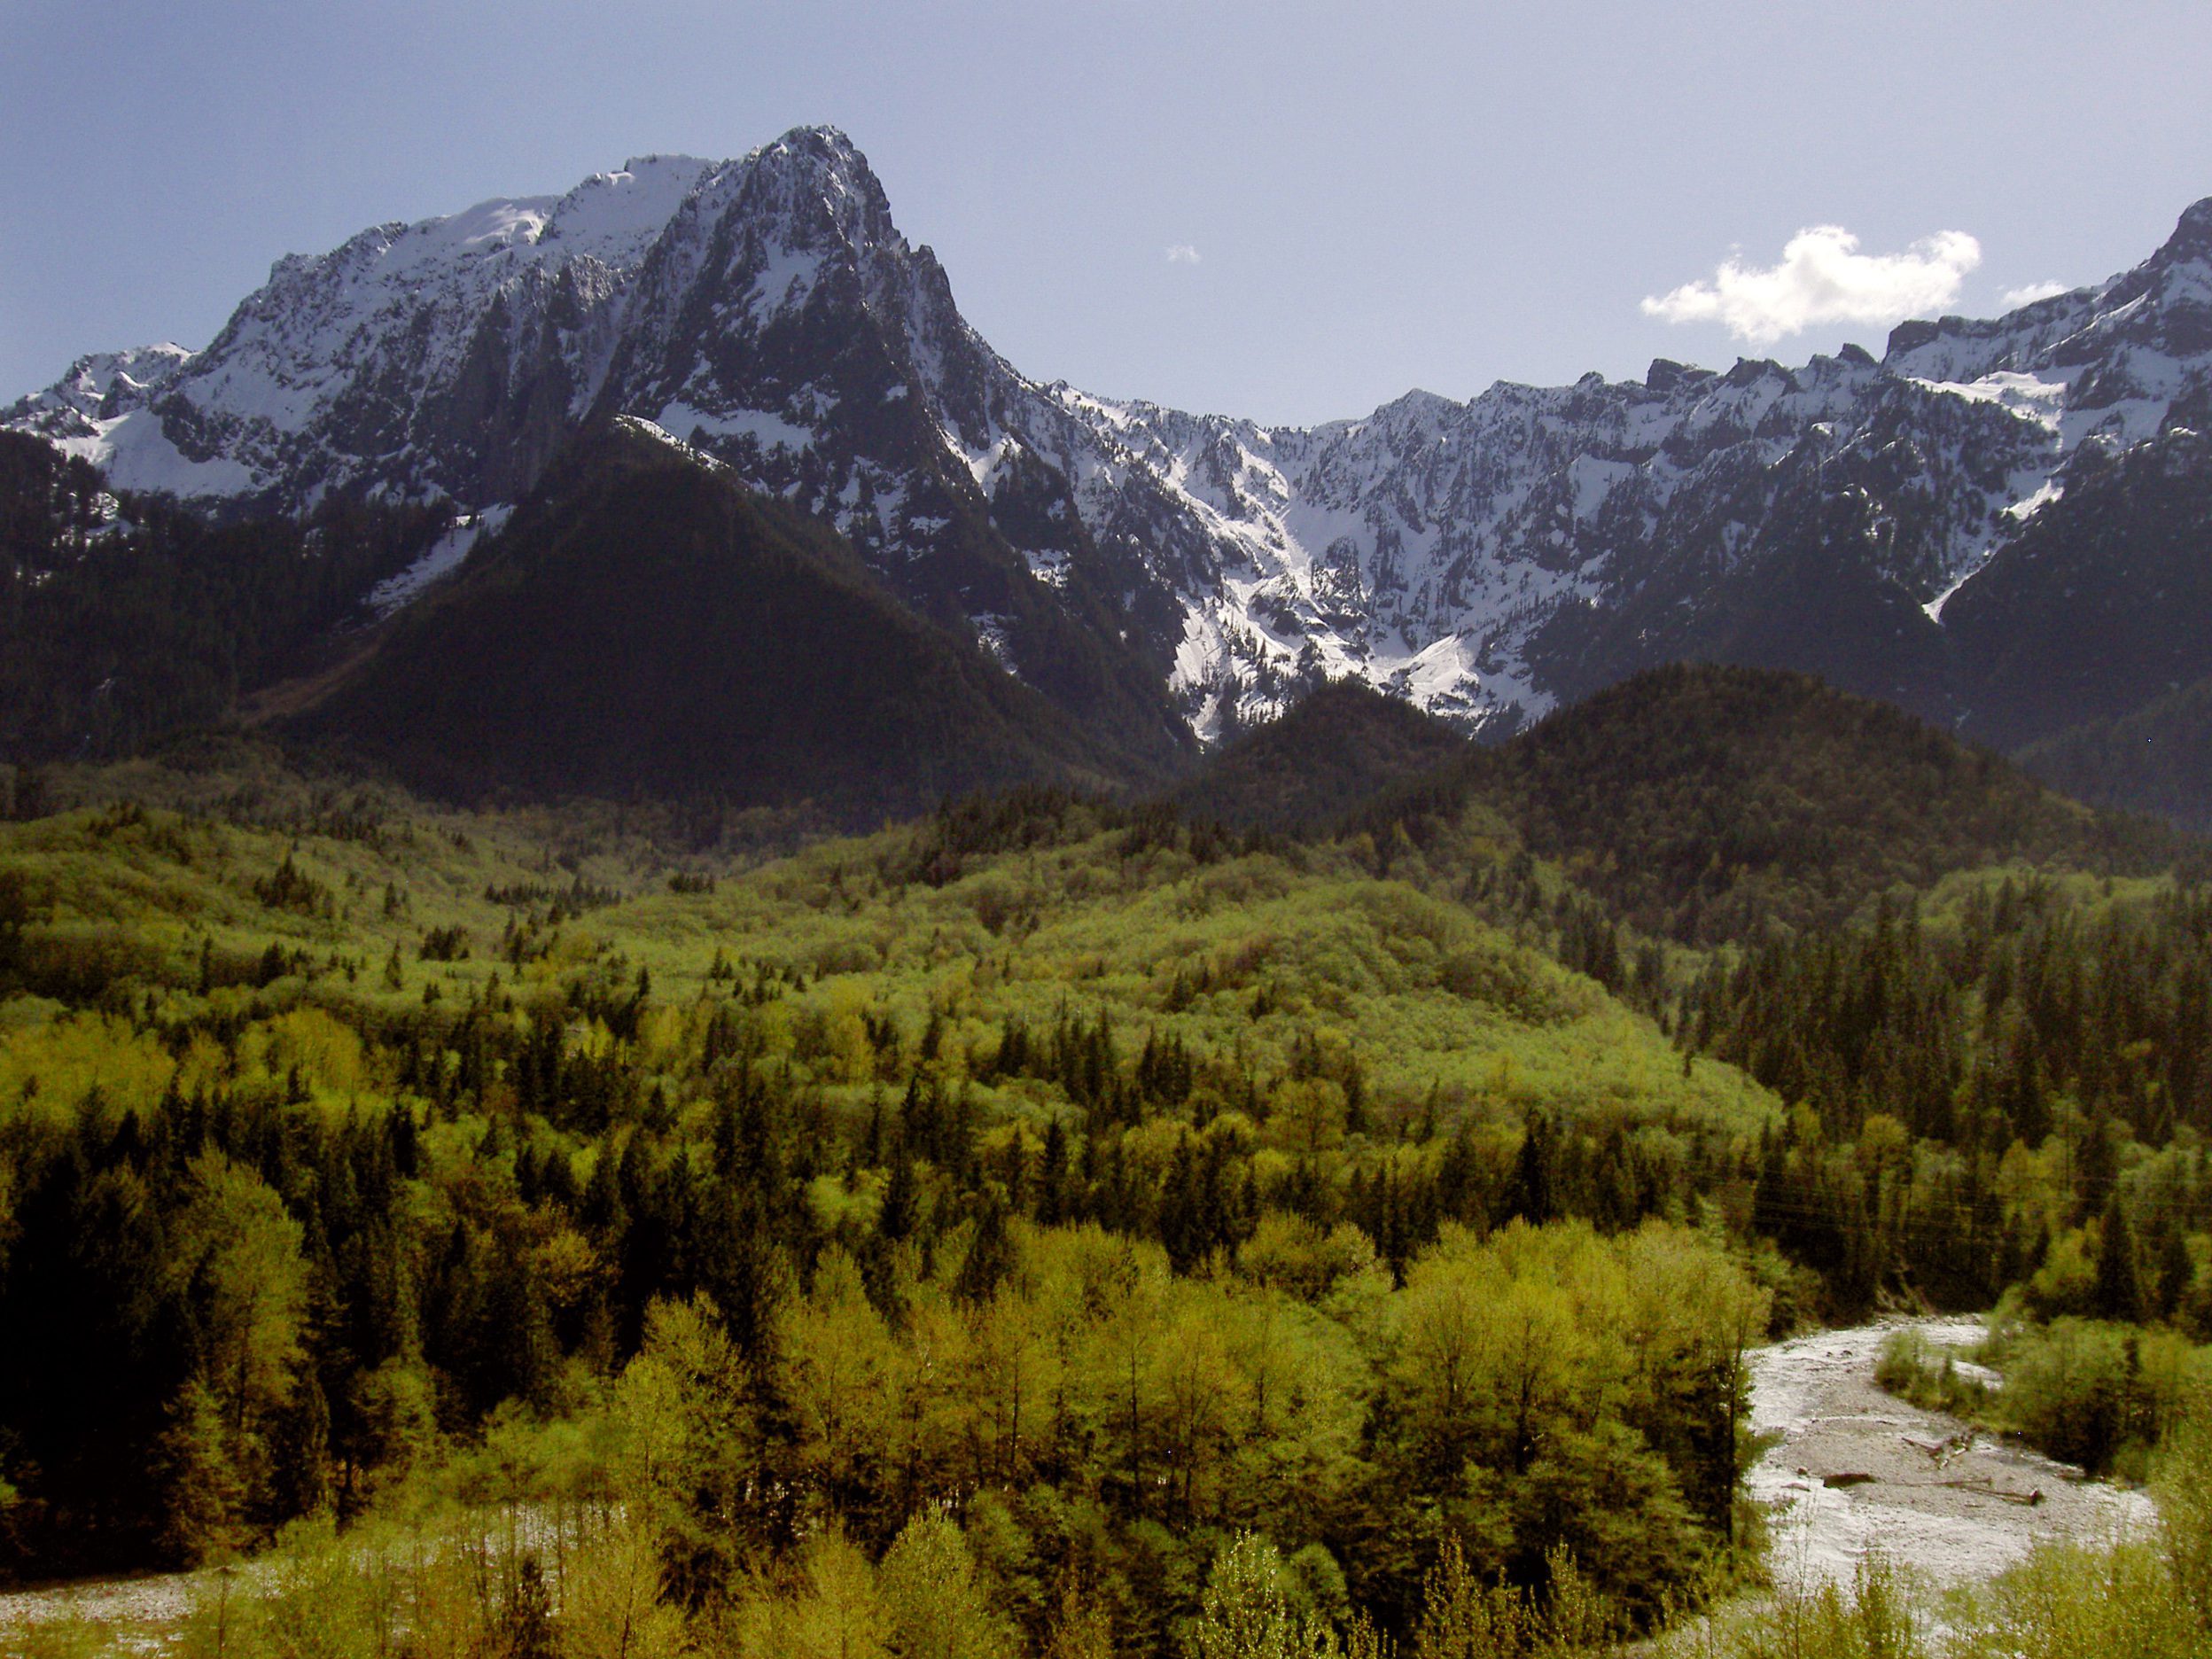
[(1944, 1450), (1981, 1485)]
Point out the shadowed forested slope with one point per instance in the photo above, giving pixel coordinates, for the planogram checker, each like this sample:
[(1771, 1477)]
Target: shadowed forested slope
[(123, 621), (1707, 802), (2100, 607), (646, 624), (1332, 752), (2156, 758)]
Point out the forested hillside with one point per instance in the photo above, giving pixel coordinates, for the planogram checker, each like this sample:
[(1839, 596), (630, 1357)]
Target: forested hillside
[(644, 623), (2093, 615), (124, 620), (995, 1218), (334, 1140), (646, 626), (1706, 804), (1332, 751), (2157, 757)]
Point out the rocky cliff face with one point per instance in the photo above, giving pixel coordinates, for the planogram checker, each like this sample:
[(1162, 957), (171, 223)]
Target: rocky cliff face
[(450, 357), (1486, 560)]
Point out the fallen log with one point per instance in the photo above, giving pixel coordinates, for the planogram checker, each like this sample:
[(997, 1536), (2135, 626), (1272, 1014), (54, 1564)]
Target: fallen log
[(1981, 1485)]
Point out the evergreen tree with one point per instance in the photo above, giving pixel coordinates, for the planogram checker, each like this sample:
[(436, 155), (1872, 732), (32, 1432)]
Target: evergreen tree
[(204, 1493), (2176, 1271), (990, 1255), (1535, 1199), (1052, 1177), (900, 1211), (2119, 1284)]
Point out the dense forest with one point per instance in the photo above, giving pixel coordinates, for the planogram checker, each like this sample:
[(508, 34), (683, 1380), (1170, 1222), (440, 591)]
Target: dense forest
[(1704, 804), (124, 620), (1004, 1215)]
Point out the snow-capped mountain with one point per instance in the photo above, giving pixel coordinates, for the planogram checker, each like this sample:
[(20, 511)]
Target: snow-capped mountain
[(450, 357), (1487, 558), (1484, 559)]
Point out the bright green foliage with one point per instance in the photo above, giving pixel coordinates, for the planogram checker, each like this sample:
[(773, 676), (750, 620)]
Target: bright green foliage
[(836, 1609), (2096, 1394), (2075, 1603), (965, 1233), (1913, 1368), (358, 1218), (203, 1489), (2182, 1485), (1464, 1618), (689, 1448), (67, 1636), (1244, 1615), (1880, 1615), (237, 1252), (934, 1607)]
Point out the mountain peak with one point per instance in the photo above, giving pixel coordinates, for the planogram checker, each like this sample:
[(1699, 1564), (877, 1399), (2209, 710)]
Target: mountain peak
[(2192, 234), (1418, 405), (817, 181), (822, 150), (1485, 559), (615, 216), (1665, 374), (818, 136)]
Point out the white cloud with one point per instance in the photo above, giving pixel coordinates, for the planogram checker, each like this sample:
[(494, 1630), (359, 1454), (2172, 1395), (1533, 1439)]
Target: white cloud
[(2015, 297), (1182, 253), (1823, 278)]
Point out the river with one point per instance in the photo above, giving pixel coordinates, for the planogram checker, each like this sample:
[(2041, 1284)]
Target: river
[(1950, 1515)]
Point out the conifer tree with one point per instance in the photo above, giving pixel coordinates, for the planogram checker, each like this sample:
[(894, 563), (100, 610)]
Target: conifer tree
[(1534, 1196), (1052, 1176), (204, 1494), (899, 1212), (990, 1255), (2119, 1283), (2176, 1271)]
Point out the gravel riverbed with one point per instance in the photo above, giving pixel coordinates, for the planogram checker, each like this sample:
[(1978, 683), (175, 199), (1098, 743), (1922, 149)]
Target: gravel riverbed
[(1858, 1469)]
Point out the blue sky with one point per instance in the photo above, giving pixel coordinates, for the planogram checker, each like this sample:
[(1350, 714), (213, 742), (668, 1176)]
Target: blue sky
[(1290, 211)]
